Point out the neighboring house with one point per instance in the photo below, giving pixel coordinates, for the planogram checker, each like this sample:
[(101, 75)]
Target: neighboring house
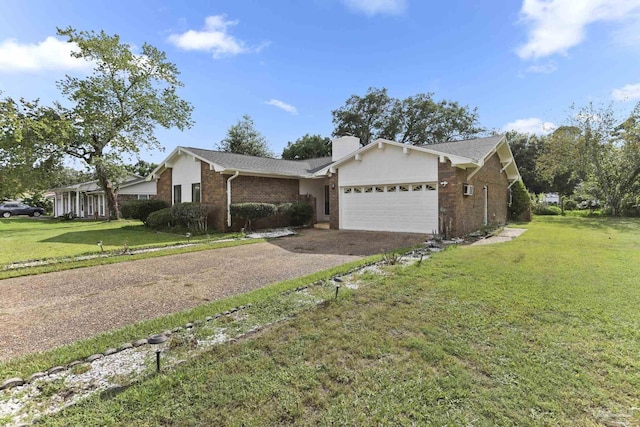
[(453, 188), (551, 198), (87, 199)]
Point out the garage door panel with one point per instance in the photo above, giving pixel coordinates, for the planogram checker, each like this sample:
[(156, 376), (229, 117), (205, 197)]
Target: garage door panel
[(405, 211)]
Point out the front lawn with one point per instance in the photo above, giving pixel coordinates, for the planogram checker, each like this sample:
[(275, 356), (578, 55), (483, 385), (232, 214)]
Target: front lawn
[(543, 330), (23, 239)]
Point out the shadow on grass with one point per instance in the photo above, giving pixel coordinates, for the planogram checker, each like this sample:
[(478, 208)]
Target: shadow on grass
[(595, 223), (131, 234)]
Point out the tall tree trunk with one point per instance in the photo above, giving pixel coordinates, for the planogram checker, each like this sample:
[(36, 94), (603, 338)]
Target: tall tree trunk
[(109, 192)]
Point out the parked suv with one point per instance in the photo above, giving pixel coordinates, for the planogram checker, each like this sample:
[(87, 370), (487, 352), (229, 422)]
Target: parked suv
[(14, 208)]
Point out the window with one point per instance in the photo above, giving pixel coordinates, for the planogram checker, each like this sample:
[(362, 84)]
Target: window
[(326, 200), (430, 187), (379, 189), (347, 190), (195, 192), (403, 188), (368, 189), (143, 197), (357, 190), (416, 187), (177, 194)]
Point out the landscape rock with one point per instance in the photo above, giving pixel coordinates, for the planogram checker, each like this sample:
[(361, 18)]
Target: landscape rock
[(35, 376), (140, 342), (11, 382), (110, 351), (94, 357), (56, 369)]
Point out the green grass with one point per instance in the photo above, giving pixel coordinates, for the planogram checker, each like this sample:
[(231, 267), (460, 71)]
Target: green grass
[(30, 239), (48, 239), (544, 330)]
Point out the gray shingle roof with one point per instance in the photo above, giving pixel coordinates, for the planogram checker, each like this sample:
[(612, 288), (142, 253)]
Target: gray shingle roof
[(475, 149), (261, 164)]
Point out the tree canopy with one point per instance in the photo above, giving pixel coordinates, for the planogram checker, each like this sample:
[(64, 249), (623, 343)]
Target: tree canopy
[(600, 151), (243, 138), (115, 110), (30, 137), (415, 120), (307, 147)]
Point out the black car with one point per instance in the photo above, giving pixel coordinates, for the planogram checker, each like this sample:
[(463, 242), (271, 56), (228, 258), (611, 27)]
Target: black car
[(14, 208)]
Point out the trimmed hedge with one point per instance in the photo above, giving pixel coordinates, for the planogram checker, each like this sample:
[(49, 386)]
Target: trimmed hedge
[(141, 209), (161, 220), (547, 210), (300, 213), (252, 211)]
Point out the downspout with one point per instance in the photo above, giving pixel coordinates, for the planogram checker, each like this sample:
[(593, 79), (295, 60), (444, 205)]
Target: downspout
[(485, 220), (231, 178)]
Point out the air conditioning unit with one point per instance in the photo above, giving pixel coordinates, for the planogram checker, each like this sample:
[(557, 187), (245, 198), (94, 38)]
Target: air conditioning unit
[(467, 189)]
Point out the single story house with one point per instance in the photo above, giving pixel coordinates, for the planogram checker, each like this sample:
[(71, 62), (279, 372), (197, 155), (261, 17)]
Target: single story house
[(87, 199), (450, 188)]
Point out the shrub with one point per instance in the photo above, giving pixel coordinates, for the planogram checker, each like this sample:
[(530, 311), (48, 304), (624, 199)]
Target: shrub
[(300, 213), (161, 220), (252, 211), (192, 216), (520, 201), (140, 209), (570, 204), (547, 210)]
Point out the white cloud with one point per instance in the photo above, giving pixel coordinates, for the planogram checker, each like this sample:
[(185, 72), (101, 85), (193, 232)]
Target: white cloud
[(531, 125), (214, 38), (282, 105), (50, 54), (542, 68), (627, 93), (375, 7), (557, 25)]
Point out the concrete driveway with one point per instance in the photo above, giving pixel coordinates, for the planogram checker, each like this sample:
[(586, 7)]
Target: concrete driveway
[(42, 312)]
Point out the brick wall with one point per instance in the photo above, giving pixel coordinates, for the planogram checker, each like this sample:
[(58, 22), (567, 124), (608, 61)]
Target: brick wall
[(334, 208), (464, 214), (255, 189), (164, 186), (213, 187)]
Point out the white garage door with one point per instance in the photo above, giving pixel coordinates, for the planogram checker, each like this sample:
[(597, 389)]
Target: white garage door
[(403, 207)]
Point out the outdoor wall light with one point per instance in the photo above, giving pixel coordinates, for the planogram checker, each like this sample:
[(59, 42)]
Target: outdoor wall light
[(443, 183), (333, 186)]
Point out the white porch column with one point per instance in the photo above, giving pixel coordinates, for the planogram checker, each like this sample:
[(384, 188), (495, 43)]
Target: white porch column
[(68, 202), (77, 203)]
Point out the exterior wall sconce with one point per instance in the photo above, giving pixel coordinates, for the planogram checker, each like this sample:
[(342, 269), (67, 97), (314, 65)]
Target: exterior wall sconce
[(444, 183), (333, 186)]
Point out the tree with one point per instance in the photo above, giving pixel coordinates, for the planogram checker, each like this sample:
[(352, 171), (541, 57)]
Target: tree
[(30, 137), (141, 168), (416, 120), (116, 109), (526, 149), (243, 138), (368, 117), (558, 161), (307, 147), (600, 150)]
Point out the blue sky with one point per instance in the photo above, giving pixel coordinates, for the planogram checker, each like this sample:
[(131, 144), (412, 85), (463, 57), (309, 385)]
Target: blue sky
[(288, 64)]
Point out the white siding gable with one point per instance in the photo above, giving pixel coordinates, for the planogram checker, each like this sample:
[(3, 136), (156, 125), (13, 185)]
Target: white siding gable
[(186, 171), (389, 165)]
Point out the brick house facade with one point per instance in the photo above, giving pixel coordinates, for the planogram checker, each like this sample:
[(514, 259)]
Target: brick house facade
[(384, 186)]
